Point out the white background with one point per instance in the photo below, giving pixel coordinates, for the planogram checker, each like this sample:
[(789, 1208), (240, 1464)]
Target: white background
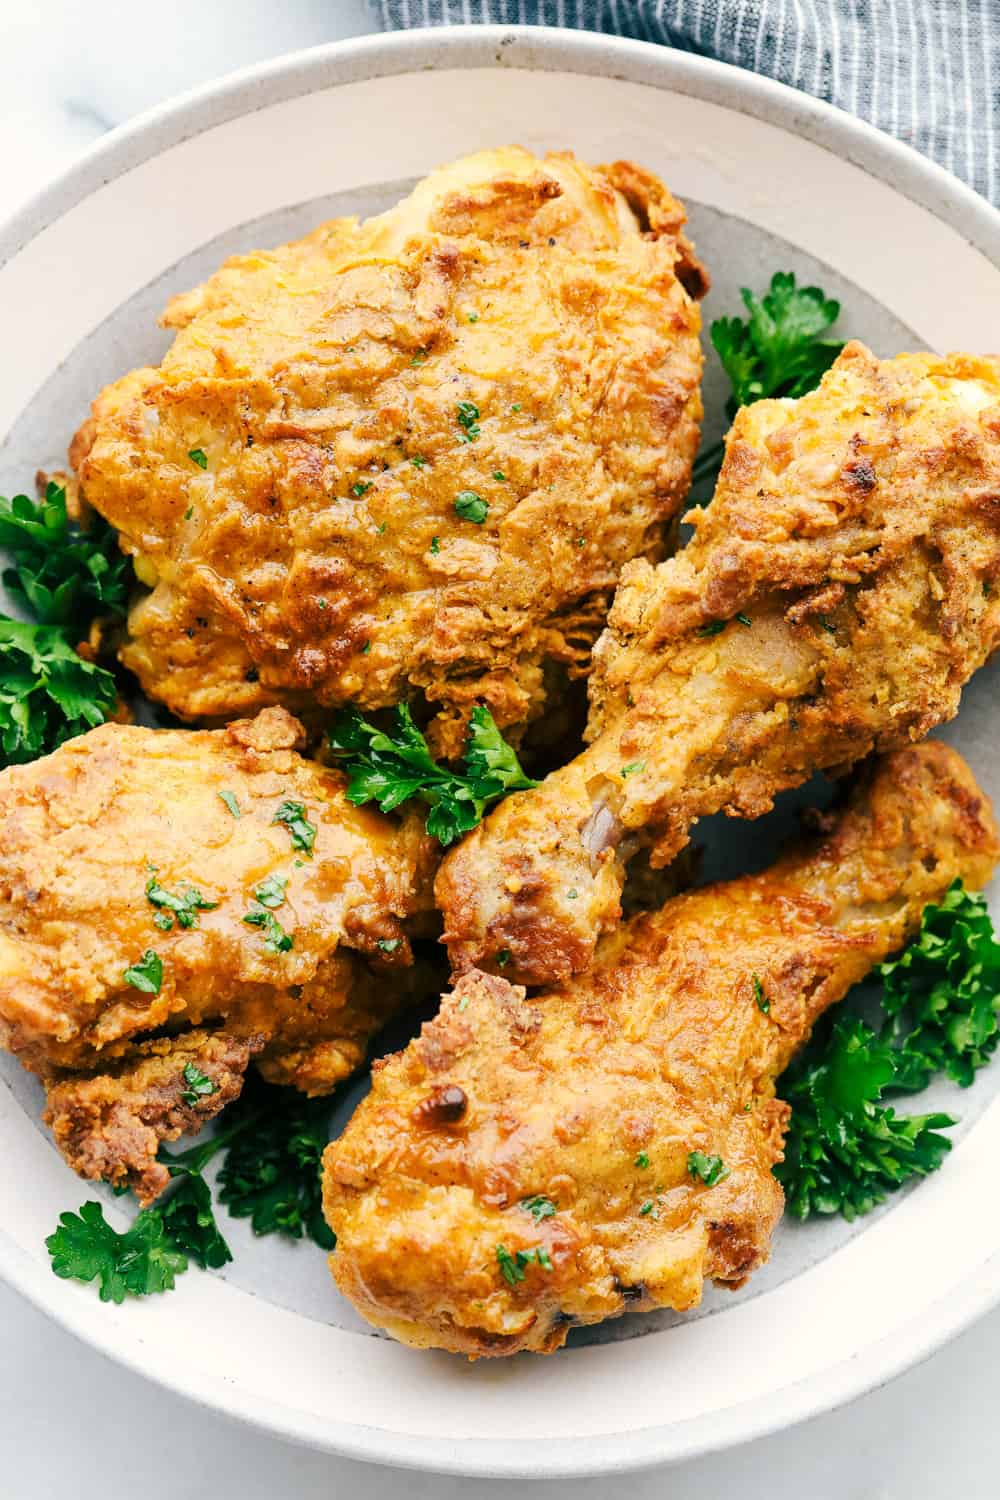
[(70, 1422)]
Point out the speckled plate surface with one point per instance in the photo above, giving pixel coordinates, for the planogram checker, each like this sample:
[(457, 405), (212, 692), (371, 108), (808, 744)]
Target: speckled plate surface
[(772, 181)]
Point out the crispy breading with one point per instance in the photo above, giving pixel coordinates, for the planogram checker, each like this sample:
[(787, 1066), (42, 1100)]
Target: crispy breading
[(838, 592), (559, 1129), (520, 330), (109, 1126), (95, 834)]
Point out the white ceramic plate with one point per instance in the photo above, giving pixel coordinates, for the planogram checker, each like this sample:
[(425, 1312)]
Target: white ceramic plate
[(773, 180)]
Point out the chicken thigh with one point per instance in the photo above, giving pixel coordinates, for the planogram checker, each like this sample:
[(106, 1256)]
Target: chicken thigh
[(174, 903), (409, 457)]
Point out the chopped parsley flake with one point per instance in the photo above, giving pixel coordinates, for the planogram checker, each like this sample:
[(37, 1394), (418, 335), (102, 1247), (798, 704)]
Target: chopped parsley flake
[(388, 945), (147, 974), (435, 545), (512, 1266), (271, 892), (184, 906), (642, 1160), (763, 1003), (198, 456), (418, 462), (473, 317), (649, 1207), (826, 625), (468, 419), (471, 507), (744, 620), (511, 1272), (711, 1169), (632, 767), (199, 1085), (419, 358), (276, 939), (361, 487), (499, 476), (714, 627), (503, 957), (293, 815), (539, 1207)]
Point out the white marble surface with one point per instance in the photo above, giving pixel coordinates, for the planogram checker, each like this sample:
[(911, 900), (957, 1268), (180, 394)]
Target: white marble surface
[(71, 1422)]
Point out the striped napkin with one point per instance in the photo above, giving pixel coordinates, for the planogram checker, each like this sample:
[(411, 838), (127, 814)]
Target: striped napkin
[(927, 71)]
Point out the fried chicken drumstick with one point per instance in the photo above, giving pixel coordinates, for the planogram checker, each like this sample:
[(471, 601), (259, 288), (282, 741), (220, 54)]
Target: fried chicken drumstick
[(411, 455), (176, 903), (524, 1166), (838, 593)]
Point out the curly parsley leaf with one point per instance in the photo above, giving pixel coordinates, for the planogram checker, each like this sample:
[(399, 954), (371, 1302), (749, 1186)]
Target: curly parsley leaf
[(142, 1260), (272, 1172), (942, 994), (777, 350), (64, 573), (391, 768), (844, 1151), (186, 1210), (48, 694)]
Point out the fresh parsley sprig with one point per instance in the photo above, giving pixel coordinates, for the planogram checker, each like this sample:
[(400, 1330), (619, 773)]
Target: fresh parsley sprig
[(777, 350), (48, 694), (272, 1175), (66, 576), (137, 1263), (394, 767), (63, 573), (942, 994), (272, 1143), (845, 1150)]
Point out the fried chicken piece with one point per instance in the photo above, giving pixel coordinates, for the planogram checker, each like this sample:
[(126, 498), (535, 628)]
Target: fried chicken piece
[(109, 1126), (525, 1165), (836, 596), (156, 880), (429, 443)]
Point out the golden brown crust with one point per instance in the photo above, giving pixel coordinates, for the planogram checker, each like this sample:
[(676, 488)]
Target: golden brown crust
[(319, 559), (853, 545), (594, 1094)]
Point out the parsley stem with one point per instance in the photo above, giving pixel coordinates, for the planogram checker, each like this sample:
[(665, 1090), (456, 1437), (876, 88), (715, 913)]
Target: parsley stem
[(197, 1157)]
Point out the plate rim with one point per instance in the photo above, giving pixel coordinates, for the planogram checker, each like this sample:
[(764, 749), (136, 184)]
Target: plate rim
[(542, 49)]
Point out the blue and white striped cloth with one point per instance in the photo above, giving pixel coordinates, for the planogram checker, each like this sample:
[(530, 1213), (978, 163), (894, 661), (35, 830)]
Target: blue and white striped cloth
[(927, 71)]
